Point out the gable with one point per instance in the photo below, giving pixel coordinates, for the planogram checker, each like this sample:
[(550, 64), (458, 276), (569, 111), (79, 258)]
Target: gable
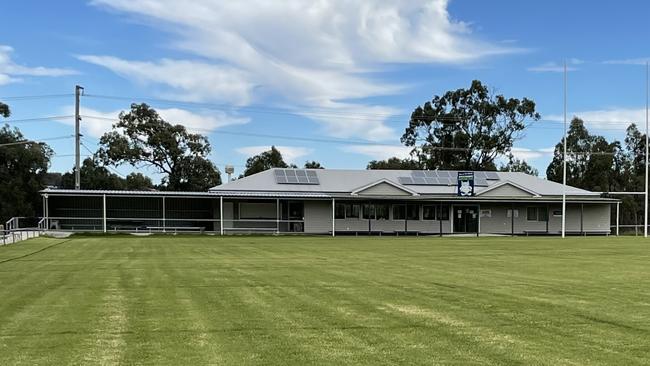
[(506, 190), (383, 189)]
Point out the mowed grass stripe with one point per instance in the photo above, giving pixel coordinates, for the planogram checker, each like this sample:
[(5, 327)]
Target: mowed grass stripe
[(320, 300)]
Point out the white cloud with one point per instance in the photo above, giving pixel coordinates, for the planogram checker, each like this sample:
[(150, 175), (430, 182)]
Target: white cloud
[(202, 123), (301, 54), (379, 152), (615, 118), (290, 154), (192, 80), (629, 61), (527, 154), (556, 66), (10, 69)]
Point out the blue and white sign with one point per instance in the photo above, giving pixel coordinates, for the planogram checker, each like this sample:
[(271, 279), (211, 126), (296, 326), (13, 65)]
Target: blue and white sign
[(465, 184)]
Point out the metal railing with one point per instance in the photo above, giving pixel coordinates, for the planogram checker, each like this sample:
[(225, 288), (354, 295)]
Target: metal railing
[(21, 228), (170, 225)]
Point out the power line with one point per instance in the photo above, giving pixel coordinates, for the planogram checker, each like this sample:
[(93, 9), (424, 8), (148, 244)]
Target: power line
[(36, 119), (33, 97), (107, 166), (37, 140), (317, 112), (357, 142)]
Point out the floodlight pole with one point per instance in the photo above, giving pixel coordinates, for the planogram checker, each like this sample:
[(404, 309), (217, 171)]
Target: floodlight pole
[(564, 160), (645, 214)]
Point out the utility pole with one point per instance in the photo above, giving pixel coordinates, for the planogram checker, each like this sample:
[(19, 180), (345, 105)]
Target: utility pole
[(78, 91)]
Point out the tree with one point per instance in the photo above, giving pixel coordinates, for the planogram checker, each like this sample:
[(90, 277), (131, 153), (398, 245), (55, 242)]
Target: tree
[(313, 165), (4, 110), (264, 161), (94, 176), (138, 182), (142, 137), (467, 128), (394, 163), (592, 162), (22, 173), (517, 165)]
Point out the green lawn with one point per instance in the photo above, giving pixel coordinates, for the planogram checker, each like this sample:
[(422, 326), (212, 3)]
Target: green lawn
[(321, 300)]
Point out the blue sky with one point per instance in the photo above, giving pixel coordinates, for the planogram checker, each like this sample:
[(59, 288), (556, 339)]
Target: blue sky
[(317, 70)]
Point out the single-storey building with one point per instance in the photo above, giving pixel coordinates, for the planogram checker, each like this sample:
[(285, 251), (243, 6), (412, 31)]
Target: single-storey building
[(332, 201)]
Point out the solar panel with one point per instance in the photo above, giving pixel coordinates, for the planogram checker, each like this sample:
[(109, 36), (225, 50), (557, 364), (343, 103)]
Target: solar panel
[(480, 182), (295, 176), (419, 180), (419, 174), (406, 180), (479, 175), (431, 174), (491, 175)]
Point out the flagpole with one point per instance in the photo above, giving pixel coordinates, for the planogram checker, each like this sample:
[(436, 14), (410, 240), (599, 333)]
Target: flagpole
[(645, 214), (564, 159)]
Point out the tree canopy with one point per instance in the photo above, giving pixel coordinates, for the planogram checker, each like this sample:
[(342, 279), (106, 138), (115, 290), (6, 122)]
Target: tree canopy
[(143, 138), (394, 163), (4, 110), (518, 165), (593, 163), (96, 176), (313, 165), (266, 160), (467, 128), (23, 169)]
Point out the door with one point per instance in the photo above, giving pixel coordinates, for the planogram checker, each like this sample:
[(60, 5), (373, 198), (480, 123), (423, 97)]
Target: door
[(465, 219)]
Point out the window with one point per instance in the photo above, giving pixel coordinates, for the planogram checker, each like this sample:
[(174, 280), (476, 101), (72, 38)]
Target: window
[(537, 214), (557, 213), (399, 212), (486, 213), (352, 211), (429, 212), (368, 211), (339, 211), (412, 212), (542, 214), (443, 213), (381, 211), (531, 214)]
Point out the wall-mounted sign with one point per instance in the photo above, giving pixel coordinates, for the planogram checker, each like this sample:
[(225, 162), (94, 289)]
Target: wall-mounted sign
[(465, 184)]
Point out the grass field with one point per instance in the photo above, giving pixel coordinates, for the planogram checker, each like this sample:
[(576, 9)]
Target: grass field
[(321, 300)]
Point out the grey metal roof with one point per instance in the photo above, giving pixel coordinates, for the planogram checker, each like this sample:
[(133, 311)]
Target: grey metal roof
[(339, 181), (99, 192)]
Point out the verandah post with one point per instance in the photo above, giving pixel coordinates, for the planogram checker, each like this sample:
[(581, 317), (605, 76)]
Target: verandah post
[(277, 216), (103, 214), (221, 214), (617, 216), (438, 216), (333, 217)]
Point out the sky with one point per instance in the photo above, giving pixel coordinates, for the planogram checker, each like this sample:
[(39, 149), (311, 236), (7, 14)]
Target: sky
[(328, 80)]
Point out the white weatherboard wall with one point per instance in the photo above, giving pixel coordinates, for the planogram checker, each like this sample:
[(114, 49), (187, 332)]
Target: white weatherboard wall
[(318, 217), (596, 217), (384, 189)]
